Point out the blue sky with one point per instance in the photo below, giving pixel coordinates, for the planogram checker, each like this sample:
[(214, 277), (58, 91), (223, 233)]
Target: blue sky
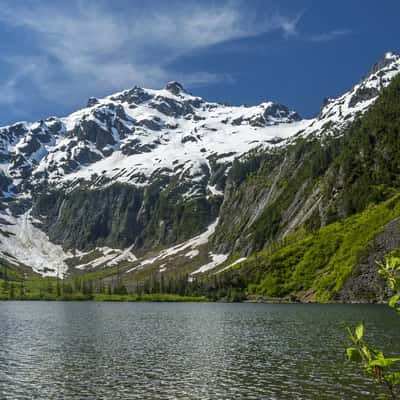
[(56, 54)]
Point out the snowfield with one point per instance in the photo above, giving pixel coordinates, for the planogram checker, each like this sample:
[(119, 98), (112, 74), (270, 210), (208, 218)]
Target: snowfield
[(24, 243)]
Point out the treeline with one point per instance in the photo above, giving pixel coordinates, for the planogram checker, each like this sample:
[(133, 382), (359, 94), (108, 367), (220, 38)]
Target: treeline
[(219, 287), (85, 287)]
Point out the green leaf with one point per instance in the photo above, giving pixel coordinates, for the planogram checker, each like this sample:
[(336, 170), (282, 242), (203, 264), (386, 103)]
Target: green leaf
[(383, 362), (377, 354), (354, 354), (394, 300), (351, 336), (368, 354), (393, 378), (391, 282), (359, 331)]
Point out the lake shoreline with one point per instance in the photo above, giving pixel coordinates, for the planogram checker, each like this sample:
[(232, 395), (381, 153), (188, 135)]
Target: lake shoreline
[(157, 298), (179, 299)]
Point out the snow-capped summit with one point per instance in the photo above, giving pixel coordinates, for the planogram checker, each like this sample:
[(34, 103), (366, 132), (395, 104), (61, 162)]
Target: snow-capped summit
[(338, 112), (388, 59), (130, 135)]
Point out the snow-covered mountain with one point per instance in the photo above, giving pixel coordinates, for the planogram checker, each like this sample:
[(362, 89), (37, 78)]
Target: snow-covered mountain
[(169, 151), (337, 113), (130, 136)]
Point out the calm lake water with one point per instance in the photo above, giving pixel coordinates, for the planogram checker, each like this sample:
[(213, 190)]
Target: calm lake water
[(88, 350)]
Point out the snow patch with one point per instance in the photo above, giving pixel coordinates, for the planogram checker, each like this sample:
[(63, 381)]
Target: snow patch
[(192, 253), (22, 242), (216, 259), (231, 265), (214, 191), (110, 257), (189, 244)]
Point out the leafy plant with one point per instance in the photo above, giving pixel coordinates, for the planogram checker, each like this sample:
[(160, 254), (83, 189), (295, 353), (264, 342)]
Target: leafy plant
[(385, 370)]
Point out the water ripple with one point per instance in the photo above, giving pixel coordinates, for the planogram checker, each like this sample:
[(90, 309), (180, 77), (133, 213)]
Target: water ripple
[(183, 351)]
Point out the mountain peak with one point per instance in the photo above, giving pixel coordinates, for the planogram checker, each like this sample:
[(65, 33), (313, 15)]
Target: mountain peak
[(392, 56), (92, 101), (338, 112), (174, 87), (388, 58)]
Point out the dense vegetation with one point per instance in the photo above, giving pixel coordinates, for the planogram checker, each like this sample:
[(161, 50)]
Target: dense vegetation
[(310, 267), (384, 370), (17, 285)]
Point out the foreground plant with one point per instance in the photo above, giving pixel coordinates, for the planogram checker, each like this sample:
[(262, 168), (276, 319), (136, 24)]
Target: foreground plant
[(384, 370)]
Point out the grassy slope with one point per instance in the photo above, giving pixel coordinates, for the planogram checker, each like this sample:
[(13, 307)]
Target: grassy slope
[(319, 263)]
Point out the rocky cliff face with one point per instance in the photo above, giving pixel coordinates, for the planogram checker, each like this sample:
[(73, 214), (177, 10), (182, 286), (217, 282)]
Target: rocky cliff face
[(122, 215), (365, 284), (144, 171)]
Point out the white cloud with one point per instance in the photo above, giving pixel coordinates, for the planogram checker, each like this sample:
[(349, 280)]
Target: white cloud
[(330, 35), (85, 48), (288, 25)]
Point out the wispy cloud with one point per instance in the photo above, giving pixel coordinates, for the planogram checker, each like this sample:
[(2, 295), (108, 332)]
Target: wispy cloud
[(289, 25), (8, 88), (330, 35), (8, 93), (84, 47)]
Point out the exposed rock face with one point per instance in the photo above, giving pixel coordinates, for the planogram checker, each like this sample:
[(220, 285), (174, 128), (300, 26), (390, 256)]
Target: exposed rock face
[(365, 284), (270, 205), (92, 132), (363, 94), (5, 182), (85, 219), (121, 215), (174, 87), (278, 111), (92, 102)]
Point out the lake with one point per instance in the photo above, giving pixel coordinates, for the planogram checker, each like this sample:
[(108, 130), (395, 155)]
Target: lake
[(88, 350)]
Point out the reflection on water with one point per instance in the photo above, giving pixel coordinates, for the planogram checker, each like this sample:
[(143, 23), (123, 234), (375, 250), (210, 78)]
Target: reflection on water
[(184, 351)]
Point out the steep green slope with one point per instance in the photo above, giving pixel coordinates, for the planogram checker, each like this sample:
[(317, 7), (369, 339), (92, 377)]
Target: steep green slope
[(319, 264), (314, 181), (330, 191), (367, 167), (312, 267)]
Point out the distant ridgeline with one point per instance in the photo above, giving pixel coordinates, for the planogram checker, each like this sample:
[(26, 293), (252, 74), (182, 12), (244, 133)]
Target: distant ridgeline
[(162, 194)]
